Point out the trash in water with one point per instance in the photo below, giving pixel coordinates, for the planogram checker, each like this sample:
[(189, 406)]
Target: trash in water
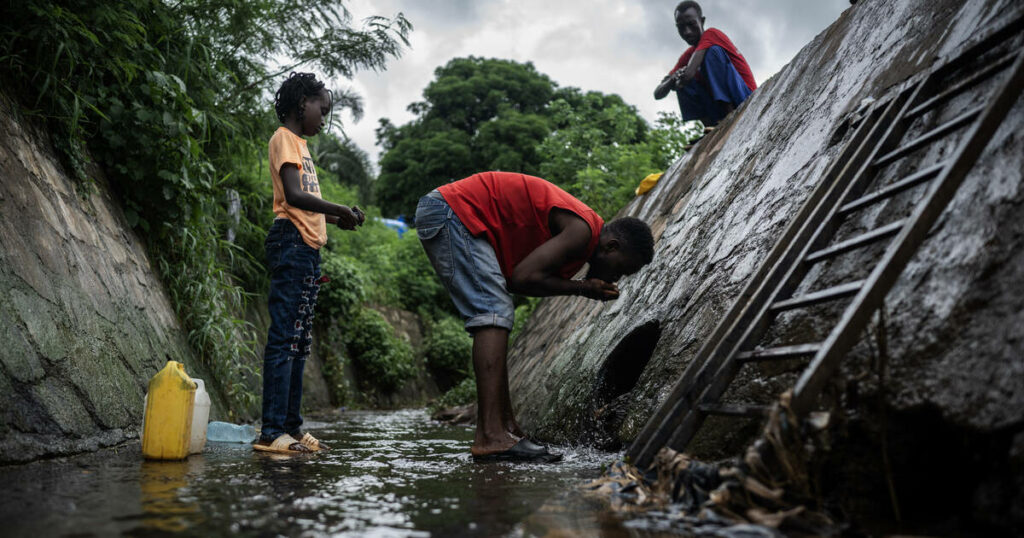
[(765, 491), (225, 432)]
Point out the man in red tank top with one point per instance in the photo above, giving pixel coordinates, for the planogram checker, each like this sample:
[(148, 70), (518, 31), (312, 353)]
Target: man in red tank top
[(497, 233)]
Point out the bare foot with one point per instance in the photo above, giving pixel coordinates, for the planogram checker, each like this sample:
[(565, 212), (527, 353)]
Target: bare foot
[(483, 447)]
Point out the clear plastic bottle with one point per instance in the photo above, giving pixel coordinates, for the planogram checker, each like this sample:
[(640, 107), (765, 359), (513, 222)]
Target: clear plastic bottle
[(200, 415), (224, 432)]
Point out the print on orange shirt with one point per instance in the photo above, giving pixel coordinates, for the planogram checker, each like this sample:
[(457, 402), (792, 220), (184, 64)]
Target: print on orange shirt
[(288, 148)]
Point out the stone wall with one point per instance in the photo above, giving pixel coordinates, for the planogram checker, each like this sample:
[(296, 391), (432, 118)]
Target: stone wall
[(954, 319), (85, 321)]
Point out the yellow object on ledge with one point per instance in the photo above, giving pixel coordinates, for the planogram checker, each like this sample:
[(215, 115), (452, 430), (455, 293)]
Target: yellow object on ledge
[(167, 426), (648, 183)]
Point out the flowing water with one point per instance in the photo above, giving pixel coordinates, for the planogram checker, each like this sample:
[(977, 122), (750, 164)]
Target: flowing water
[(388, 473)]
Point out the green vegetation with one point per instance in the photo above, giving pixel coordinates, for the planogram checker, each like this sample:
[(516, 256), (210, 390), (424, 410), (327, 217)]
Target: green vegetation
[(386, 359), (488, 114), (172, 102), (477, 114), (449, 348), (171, 99), (462, 394)]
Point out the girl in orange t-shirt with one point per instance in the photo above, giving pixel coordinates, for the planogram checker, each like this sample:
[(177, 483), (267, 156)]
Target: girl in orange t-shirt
[(293, 257)]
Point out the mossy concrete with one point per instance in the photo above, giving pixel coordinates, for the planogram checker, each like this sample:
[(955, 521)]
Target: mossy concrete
[(84, 320)]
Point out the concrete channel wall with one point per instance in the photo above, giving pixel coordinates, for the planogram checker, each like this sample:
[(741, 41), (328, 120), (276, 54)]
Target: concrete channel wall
[(84, 319), (584, 371)]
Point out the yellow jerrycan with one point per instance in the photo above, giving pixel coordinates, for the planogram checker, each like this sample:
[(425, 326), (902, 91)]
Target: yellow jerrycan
[(167, 424)]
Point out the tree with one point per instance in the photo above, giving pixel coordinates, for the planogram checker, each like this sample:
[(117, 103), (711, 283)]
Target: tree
[(602, 148), (172, 100), (477, 114), (343, 160)]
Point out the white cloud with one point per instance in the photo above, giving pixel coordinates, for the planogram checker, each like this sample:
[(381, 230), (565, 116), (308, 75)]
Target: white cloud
[(612, 46)]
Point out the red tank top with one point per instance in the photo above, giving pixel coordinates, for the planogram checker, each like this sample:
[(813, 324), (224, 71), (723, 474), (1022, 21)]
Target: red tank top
[(512, 210)]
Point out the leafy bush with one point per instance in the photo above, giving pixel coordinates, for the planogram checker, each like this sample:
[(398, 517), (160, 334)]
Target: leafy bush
[(448, 347), (386, 359), (414, 278), (522, 314), (346, 291), (170, 98), (461, 394), (332, 353)]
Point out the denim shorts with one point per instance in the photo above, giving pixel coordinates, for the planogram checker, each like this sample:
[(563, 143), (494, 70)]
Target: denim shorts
[(467, 265)]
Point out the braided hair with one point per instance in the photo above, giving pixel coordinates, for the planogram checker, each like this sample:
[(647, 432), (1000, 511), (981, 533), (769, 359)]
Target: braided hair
[(289, 95)]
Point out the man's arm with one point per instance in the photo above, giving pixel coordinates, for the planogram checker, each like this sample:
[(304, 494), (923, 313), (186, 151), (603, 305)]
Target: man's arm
[(690, 71), (667, 84), (345, 217), (537, 275)]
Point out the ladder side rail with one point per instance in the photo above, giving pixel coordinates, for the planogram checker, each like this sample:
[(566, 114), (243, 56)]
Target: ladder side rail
[(686, 427), (900, 251), (951, 62), (854, 158)]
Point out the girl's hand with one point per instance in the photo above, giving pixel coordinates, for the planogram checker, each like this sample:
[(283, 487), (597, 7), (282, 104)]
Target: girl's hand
[(359, 213), (349, 219)]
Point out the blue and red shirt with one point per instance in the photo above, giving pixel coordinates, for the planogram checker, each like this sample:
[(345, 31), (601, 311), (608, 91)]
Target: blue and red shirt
[(715, 37)]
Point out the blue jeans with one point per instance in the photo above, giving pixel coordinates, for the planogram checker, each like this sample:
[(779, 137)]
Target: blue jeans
[(721, 83), (294, 283), (467, 265)]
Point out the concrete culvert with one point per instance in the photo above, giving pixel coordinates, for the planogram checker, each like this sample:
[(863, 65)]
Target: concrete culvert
[(616, 379)]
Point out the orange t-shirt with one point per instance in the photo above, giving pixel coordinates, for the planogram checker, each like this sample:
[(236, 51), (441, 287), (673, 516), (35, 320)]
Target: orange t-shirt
[(286, 147)]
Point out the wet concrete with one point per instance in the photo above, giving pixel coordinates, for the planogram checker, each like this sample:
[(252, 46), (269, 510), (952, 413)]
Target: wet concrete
[(388, 474)]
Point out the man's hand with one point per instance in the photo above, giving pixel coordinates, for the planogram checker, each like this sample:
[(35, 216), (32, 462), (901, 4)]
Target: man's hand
[(678, 79), (349, 218), (595, 288)]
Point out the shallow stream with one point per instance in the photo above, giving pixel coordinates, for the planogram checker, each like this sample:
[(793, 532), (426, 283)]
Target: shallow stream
[(388, 473)]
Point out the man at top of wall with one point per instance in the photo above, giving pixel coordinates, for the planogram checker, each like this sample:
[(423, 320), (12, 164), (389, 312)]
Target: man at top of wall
[(711, 78)]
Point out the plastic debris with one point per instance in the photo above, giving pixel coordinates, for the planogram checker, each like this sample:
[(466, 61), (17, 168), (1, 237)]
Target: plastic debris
[(224, 432), (648, 183), (766, 491)]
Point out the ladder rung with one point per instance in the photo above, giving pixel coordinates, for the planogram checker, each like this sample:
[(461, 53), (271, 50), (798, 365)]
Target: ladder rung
[(821, 296), (910, 181), (976, 78), (855, 242), (735, 410), (937, 132), (778, 353)]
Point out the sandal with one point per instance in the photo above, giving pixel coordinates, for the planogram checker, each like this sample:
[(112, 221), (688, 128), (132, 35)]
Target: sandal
[(523, 451), (284, 444), (312, 443)]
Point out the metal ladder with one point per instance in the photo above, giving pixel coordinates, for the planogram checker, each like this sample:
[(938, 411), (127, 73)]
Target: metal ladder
[(808, 240)]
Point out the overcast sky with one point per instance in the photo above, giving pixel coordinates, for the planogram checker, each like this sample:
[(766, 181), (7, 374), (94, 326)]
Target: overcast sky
[(612, 46)]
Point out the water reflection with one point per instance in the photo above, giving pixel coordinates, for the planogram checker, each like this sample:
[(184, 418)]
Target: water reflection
[(387, 474), (165, 500)]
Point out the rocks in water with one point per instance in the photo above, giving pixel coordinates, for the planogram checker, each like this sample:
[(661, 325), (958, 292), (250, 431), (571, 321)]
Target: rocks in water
[(462, 414)]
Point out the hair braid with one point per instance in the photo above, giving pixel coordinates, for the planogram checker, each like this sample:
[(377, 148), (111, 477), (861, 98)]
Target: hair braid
[(289, 96)]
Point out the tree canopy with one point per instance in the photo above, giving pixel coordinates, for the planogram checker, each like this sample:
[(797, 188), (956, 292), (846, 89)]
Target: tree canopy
[(490, 114), (477, 114)]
